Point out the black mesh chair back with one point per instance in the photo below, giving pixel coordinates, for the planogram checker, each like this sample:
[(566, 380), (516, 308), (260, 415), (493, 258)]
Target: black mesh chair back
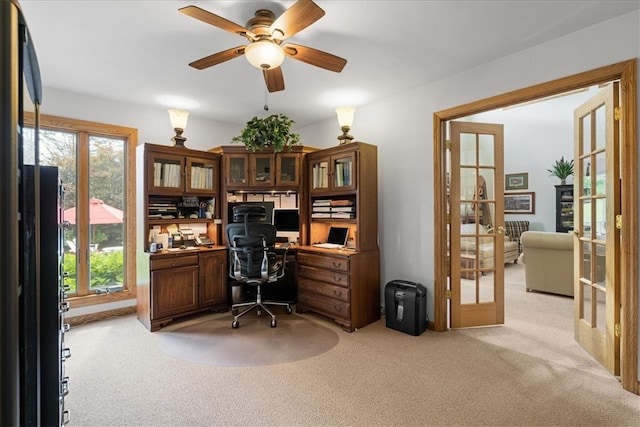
[(252, 256)]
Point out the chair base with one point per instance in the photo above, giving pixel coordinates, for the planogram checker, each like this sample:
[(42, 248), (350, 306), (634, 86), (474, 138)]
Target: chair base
[(258, 305)]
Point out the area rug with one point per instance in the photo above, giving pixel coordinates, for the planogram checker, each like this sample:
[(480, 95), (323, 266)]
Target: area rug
[(255, 343)]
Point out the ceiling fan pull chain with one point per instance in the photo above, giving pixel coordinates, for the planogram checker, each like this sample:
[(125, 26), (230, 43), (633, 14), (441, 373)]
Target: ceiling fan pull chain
[(266, 103)]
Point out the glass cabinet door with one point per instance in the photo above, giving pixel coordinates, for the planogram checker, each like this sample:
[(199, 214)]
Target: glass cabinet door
[(344, 171), (165, 173), (287, 169), (262, 170), (319, 179), (202, 175), (237, 166)]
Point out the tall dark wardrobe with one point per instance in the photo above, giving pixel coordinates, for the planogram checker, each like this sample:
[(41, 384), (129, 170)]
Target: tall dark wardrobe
[(33, 383)]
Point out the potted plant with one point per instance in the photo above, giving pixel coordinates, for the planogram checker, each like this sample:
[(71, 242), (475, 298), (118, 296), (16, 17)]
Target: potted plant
[(273, 131), (562, 169)]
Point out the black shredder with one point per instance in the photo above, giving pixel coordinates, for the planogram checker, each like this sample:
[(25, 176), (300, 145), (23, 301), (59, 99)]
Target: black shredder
[(406, 306)]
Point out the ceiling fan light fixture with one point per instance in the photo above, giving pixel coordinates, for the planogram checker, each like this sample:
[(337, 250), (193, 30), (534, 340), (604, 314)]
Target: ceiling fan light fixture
[(264, 54)]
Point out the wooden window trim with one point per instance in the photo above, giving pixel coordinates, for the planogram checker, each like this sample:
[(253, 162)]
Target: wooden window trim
[(130, 135)]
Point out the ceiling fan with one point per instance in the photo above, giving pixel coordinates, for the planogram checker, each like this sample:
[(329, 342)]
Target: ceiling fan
[(266, 35)]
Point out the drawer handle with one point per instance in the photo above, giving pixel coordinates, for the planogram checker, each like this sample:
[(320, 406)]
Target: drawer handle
[(337, 264), (337, 308), (337, 293), (337, 279)]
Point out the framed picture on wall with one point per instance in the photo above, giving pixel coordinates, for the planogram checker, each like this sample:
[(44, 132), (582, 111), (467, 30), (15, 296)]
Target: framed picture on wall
[(516, 181), (520, 203)]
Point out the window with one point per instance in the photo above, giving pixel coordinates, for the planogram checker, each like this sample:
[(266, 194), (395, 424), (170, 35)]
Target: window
[(97, 168)]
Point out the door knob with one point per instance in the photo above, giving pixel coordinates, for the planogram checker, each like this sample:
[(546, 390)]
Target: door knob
[(500, 229)]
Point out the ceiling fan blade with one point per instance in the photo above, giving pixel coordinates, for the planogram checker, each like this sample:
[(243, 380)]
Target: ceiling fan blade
[(216, 21), (274, 79), (298, 17), (217, 58), (315, 57)]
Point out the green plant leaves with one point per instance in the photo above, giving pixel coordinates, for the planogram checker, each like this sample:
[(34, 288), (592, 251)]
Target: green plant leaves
[(562, 168), (272, 131)]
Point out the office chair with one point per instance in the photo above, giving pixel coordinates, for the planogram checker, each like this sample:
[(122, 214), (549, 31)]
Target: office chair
[(252, 257)]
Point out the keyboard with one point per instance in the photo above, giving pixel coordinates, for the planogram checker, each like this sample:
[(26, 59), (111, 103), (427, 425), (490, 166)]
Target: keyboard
[(328, 245)]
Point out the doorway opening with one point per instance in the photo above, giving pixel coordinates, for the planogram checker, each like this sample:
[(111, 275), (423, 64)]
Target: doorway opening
[(626, 73)]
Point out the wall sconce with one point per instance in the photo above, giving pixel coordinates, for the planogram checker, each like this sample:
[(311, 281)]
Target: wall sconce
[(179, 123), (345, 119), (264, 54)]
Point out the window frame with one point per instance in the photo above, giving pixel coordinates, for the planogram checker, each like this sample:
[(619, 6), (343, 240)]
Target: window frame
[(84, 129)]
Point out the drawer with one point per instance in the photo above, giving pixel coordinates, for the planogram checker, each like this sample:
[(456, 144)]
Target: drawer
[(173, 262), (328, 306), (333, 277), (323, 289), (324, 261)]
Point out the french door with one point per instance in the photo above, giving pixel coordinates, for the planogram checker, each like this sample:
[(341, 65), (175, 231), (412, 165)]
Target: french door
[(476, 226), (597, 242)]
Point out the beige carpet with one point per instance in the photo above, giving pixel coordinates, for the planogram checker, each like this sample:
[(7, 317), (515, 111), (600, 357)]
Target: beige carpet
[(211, 340), (528, 372)]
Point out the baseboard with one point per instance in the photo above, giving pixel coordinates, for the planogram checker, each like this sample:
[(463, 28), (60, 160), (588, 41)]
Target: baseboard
[(101, 315)]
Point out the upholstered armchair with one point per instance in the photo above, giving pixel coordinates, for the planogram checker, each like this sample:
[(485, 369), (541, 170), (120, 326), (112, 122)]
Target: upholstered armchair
[(514, 229), (484, 246)]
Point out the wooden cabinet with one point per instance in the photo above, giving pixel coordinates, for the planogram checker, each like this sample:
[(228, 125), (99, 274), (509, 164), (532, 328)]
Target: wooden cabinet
[(334, 170), (344, 192), (176, 284), (342, 285), (262, 170), (564, 208), (177, 186), (213, 272)]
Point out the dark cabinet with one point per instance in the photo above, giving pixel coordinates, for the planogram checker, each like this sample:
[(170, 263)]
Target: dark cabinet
[(564, 208), (180, 283)]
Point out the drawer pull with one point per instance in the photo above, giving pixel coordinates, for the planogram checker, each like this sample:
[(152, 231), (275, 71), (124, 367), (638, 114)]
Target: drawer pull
[(337, 264), (337, 279), (337, 308), (337, 293)]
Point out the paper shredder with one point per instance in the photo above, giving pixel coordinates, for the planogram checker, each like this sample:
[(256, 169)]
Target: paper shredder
[(406, 306)]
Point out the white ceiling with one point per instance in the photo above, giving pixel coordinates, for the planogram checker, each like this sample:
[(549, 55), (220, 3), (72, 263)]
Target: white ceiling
[(138, 51)]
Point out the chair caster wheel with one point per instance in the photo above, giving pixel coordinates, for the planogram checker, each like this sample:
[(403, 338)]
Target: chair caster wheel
[(289, 311), (258, 312), (235, 324), (235, 311), (273, 323)]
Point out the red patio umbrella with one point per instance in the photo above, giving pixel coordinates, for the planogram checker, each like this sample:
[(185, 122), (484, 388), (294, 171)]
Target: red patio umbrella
[(99, 213)]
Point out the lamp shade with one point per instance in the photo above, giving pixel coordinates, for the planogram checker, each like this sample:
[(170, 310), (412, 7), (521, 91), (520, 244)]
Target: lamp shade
[(345, 116), (178, 118), (264, 54)]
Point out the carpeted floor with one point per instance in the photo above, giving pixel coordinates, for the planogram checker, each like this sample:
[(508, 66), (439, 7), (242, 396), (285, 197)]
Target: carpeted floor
[(211, 340)]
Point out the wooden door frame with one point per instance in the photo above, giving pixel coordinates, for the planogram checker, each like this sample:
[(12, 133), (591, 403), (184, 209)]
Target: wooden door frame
[(626, 72)]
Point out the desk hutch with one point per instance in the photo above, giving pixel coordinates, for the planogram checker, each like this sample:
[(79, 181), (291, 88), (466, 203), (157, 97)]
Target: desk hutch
[(335, 186)]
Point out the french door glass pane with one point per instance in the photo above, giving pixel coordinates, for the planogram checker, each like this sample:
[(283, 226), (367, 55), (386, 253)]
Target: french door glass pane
[(106, 211)]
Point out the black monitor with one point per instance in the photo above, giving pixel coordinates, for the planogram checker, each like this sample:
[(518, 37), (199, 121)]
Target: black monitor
[(267, 205), (287, 223)]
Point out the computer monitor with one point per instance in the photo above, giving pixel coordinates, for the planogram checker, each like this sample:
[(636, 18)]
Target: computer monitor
[(287, 223)]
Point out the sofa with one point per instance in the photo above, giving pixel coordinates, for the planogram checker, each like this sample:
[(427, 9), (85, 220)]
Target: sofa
[(548, 262), (484, 246)]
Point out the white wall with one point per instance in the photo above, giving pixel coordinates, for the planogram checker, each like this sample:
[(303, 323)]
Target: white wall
[(401, 127)]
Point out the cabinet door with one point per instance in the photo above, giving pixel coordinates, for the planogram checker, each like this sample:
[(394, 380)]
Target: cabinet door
[(287, 170), (165, 173), (237, 170), (174, 291), (213, 278), (262, 170), (202, 176), (343, 171), (319, 174)]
